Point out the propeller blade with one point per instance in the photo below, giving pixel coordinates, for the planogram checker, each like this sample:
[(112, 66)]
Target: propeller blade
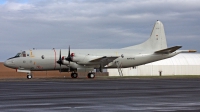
[(69, 67), (69, 52), (69, 58), (60, 60), (100, 68)]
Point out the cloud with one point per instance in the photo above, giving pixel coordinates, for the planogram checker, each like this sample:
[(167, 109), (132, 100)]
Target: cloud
[(17, 6), (94, 23)]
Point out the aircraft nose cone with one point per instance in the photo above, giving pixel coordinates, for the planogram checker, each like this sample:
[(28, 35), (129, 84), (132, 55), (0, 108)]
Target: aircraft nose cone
[(6, 63)]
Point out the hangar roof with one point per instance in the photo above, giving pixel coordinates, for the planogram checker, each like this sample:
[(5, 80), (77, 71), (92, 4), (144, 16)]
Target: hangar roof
[(180, 59)]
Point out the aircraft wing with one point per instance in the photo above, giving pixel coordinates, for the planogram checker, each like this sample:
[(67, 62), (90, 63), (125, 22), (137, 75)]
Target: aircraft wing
[(168, 50), (105, 59)]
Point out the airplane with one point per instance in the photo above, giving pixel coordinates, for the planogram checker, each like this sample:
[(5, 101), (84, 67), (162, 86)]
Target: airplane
[(86, 60)]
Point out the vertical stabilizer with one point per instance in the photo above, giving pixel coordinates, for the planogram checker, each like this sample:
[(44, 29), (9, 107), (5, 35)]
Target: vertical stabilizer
[(157, 40)]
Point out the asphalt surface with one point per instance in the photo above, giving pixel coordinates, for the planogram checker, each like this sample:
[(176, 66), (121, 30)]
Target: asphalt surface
[(119, 95)]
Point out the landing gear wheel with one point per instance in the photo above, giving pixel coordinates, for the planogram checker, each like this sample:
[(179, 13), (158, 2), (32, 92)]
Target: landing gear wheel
[(29, 76), (91, 75), (74, 75)]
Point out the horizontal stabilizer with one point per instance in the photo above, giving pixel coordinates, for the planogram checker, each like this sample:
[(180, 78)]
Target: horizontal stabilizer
[(168, 50)]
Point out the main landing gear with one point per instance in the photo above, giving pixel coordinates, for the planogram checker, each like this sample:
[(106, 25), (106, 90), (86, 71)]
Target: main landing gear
[(29, 76), (90, 75), (74, 75)]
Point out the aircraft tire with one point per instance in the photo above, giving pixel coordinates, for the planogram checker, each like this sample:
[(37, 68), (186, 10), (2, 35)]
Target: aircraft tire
[(74, 75), (91, 75), (29, 76)]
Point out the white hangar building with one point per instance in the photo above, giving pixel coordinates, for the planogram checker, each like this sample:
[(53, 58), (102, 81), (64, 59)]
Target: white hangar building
[(181, 64)]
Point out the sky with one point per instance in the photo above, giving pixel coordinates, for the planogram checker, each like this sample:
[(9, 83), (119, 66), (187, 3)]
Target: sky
[(94, 24)]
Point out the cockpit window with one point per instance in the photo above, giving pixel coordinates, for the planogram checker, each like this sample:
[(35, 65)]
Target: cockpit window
[(22, 54), (18, 55)]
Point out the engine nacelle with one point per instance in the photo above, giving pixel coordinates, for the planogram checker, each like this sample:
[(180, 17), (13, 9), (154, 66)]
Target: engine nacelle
[(65, 62), (78, 58)]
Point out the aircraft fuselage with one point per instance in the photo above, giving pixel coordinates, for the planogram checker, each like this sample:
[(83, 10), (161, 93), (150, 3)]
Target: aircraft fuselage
[(38, 60)]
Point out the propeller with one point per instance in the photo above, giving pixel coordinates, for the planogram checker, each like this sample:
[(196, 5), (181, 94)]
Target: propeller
[(100, 68), (69, 58), (60, 60)]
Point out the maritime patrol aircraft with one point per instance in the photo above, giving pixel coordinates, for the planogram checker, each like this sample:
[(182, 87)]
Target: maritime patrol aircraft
[(86, 60)]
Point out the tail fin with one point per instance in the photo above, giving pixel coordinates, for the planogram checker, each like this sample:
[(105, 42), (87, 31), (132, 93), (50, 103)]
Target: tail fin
[(157, 40)]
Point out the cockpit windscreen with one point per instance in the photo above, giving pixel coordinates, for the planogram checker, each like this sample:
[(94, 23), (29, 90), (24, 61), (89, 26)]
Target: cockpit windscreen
[(22, 54), (18, 55)]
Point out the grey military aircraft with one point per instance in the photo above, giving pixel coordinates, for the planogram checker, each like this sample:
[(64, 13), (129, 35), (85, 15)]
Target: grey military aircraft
[(86, 60)]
